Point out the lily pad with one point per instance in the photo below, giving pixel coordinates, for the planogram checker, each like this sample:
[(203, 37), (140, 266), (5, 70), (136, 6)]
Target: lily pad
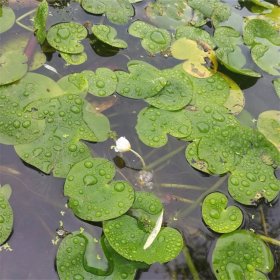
[(241, 255), (40, 21), (276, 84), (74, 59), (75, 83), (191, 155), (196, 57), (13, 66), (125, 236), (267, 58), (117, 11), (218, 216), (253, 180), (154, 40), (195, 34), (146, 209), (236, 101), (6, 213), (101, 83), (176, 94), (93, 196), (7, 19), (154, 124), (107, 34), (66, 37), (164, 15), (230, 51), (258, 31), (143, 81), (58, 149), (269, 125)]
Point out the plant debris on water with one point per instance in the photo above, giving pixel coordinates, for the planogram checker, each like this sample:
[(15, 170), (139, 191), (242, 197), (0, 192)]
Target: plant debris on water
[(178, 71)]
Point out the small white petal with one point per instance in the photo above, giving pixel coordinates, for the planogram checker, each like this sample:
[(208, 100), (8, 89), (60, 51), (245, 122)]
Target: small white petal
[(122, 145), (151, 238)]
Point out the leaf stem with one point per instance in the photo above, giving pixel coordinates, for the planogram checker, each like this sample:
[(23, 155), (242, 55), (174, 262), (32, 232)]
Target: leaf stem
[(269, 239), (180, 186), (139, 156), (263, 220), (190, 263), (164, 158), (24, 16)]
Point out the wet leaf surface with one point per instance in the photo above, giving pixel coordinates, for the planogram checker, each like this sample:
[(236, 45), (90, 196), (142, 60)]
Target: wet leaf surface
[(40, 20), (7, 19)]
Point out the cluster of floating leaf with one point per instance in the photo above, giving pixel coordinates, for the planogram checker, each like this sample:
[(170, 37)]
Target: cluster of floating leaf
[(45, 121)]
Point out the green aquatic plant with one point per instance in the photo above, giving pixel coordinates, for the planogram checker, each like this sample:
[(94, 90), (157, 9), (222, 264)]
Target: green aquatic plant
[(217, 216), (74, 59), (117, 11), (241, 255), (40, 21), (7, 18), (93, 196), (6, 213), (107, 34), (153, 39), (276, 84)]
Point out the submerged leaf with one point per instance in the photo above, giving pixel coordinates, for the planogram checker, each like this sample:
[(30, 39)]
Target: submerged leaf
[(241, 255), (276, 84), (93, 196), (117, 11), (66, 37), (218, 216), (7, 18), (107, 34), (125, 236)]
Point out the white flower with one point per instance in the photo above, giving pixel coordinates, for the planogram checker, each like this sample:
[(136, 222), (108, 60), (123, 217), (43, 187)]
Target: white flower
[(151, 238), (122, 145)]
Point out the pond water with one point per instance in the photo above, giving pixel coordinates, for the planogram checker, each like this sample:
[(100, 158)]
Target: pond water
[(38, 201)]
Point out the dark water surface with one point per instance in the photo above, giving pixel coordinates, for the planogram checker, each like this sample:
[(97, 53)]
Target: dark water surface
[(38, 201)]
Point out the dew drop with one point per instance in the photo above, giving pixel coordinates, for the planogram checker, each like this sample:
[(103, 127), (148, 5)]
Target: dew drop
[(119, 187), (214, 214), (88, 164), (90, 180)]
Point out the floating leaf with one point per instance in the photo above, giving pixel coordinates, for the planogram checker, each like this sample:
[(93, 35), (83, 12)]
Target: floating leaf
[(258, 31), (101, 83), (269, 125), (107, 34), (241, 255), (66, 37), (196, 56), (91, 195), (253, 180), (74, 59), (58, 149), (267, 58), (191, 155), (276, 84), (176, 94), (236, 101), (164, 15), (195, 34), (154, 124), (6, 213), (13, 66), (40, 20), (75, 83), (144, 80), (125, 236), (218, 216), (230, 51), (7, 19), (154, 40), (146, 209), (117, 11)]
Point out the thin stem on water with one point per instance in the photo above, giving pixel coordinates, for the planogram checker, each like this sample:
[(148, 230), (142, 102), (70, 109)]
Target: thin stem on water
[(165, 157), (28, 28), (139, 156), (190, 263), (263, 220), (181, 186), (182, 199), (269, 240)]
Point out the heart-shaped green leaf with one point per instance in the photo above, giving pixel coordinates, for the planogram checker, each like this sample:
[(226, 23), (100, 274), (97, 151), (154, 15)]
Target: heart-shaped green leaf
[(66, 37), (7, 19), (218, 216), (92, 196), (241, 255), (125, 236), (74, 59)]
